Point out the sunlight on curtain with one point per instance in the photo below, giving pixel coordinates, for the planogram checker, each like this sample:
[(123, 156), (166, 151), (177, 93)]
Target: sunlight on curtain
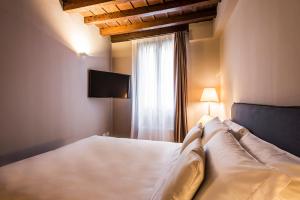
[(153, 89)]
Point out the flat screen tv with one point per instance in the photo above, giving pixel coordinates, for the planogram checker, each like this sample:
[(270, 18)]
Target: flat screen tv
[(108, 84)]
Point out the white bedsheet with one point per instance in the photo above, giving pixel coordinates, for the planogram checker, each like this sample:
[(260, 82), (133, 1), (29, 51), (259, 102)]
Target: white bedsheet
[(94, 168)]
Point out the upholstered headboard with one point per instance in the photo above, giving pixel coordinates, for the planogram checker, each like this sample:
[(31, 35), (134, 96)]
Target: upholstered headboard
[(275, 124)]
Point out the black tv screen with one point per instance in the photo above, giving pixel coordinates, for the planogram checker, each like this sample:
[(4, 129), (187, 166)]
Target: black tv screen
[(108, 84)]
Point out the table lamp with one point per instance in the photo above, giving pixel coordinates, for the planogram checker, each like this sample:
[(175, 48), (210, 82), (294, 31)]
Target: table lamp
[(209, 95)]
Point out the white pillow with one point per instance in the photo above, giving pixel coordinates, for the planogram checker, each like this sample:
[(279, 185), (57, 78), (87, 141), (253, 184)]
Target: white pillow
[(237, 130), (185, 177), (204, 119), (211, 128), (275, 157), (232, 173), (195, 132)]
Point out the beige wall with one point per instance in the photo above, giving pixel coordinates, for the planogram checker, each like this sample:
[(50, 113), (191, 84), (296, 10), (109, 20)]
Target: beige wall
[(43, 82), (260, 49), (121, 63), (203, 71)]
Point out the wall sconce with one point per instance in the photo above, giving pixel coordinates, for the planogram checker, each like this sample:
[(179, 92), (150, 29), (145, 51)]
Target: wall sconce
[(82, 55)]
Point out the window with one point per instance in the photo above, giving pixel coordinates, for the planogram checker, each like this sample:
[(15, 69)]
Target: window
[(153, 89)]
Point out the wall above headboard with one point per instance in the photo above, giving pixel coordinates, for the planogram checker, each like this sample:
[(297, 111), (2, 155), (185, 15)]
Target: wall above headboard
[(260, 54)]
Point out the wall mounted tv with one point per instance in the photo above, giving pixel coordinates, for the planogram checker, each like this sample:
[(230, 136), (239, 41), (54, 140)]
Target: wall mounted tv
[(108, 84)]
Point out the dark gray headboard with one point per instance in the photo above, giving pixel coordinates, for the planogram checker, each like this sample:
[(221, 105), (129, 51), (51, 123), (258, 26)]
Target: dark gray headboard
[(274, 124)]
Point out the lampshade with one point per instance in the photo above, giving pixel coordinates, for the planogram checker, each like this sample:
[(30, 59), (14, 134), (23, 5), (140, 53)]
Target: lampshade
[(209, 95)]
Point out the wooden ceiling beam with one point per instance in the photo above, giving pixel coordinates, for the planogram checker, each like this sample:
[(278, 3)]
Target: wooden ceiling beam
[(169, 6), (148, 33), (203, 15), (84, 5)]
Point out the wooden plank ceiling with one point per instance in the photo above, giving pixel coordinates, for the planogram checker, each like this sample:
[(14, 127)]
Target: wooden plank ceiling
[(129, 19)]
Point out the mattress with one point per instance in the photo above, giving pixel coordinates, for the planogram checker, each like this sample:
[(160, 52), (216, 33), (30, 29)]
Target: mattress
[(94, 168)]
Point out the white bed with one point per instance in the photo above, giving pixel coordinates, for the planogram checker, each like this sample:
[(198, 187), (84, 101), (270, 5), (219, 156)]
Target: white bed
[(235, 164), (93, 168)]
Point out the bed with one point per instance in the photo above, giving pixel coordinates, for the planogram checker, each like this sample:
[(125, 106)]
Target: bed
[(113, 168), (93, 168)]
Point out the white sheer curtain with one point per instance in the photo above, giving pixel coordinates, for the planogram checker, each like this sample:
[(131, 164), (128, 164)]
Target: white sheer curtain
[(153, 108)]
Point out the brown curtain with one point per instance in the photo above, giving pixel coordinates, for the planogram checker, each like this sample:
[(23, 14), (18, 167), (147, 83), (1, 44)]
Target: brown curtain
[(180, 64)]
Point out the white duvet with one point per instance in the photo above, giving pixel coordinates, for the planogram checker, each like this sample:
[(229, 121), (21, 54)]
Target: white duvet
[(95, 168)]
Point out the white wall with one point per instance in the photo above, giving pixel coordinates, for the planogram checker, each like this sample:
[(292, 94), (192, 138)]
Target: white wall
[(260, 48), (43, 80)]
